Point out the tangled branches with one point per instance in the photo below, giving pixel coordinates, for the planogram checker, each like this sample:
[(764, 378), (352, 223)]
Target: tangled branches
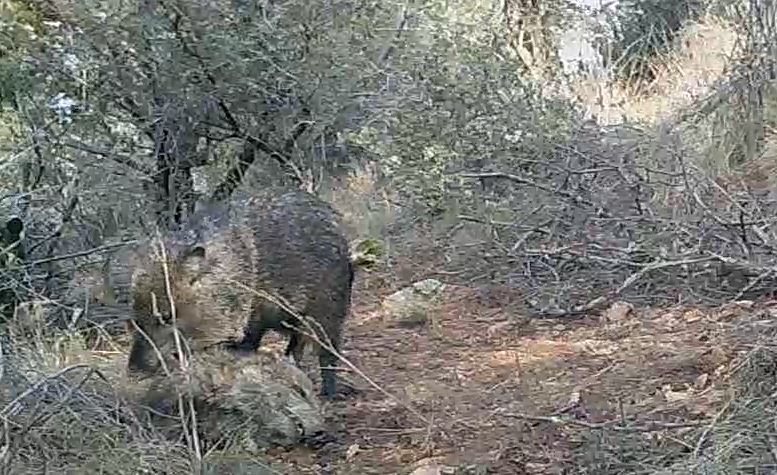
[(623, 213)]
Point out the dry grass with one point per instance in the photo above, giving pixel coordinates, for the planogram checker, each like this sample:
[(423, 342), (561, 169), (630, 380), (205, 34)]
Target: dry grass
[(63, 411), (367, 208), (686, 74), (691, 75), (71, 409)]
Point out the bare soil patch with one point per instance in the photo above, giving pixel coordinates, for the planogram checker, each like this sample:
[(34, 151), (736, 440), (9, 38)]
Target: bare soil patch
[(504, 394)]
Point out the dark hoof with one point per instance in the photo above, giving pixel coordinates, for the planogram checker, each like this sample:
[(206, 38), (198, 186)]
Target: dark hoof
[(344, 391), (319, 440)]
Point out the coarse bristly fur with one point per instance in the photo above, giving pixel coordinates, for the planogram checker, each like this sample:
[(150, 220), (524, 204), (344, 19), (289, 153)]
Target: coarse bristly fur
[(222, 265), (257, 399)]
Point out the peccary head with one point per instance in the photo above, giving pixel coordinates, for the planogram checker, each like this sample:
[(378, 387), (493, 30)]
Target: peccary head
[(154, 286)]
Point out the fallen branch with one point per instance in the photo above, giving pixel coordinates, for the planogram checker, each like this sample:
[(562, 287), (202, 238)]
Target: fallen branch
[(577, 199), (652, 426), (601, 302)]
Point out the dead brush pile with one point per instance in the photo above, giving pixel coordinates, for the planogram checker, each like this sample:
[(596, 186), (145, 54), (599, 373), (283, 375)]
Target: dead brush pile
[(617, 213)]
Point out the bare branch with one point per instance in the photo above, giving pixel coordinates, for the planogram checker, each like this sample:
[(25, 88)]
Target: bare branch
[(524, 181), (235, 175), (121, 159)]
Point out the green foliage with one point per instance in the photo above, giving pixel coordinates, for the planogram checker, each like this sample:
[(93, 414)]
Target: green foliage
[(366, 253), (464, 103), (20, 27), (428, 89), (15, 79), (25, 13)]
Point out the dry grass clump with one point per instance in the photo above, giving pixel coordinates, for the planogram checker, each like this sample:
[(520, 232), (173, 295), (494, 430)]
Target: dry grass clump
[(737, 438), (686, 73), (64, 416), (66, 408), (741, 439)]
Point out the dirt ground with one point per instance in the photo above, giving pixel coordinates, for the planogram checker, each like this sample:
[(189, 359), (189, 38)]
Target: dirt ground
[(487, 391)]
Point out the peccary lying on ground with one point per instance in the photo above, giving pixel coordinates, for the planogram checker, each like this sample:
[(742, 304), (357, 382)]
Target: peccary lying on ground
[(234, 272), (229, 389)]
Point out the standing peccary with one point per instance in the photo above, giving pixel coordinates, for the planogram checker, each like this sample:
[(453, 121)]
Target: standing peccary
[(223, 264)]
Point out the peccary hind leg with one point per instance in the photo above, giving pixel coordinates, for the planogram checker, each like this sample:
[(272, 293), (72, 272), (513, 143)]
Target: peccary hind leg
[(328, 377), (137, 358), (295, 350), (330, 388)]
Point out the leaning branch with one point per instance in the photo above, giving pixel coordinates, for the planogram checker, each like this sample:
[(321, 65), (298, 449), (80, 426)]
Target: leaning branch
[(75, 255), (601, 302), (118, 158), (398, 29), (577, 199), (616, 425)]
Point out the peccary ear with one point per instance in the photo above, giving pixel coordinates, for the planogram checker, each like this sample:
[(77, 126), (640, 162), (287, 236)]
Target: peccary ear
[(14, 227)]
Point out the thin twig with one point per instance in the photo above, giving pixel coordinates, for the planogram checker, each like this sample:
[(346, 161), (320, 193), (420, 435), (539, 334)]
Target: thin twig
[(75, 255), (193, 438)]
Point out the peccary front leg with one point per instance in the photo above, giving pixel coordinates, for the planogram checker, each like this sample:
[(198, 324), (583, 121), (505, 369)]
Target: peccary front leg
[(296, 348), (331, 386)]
